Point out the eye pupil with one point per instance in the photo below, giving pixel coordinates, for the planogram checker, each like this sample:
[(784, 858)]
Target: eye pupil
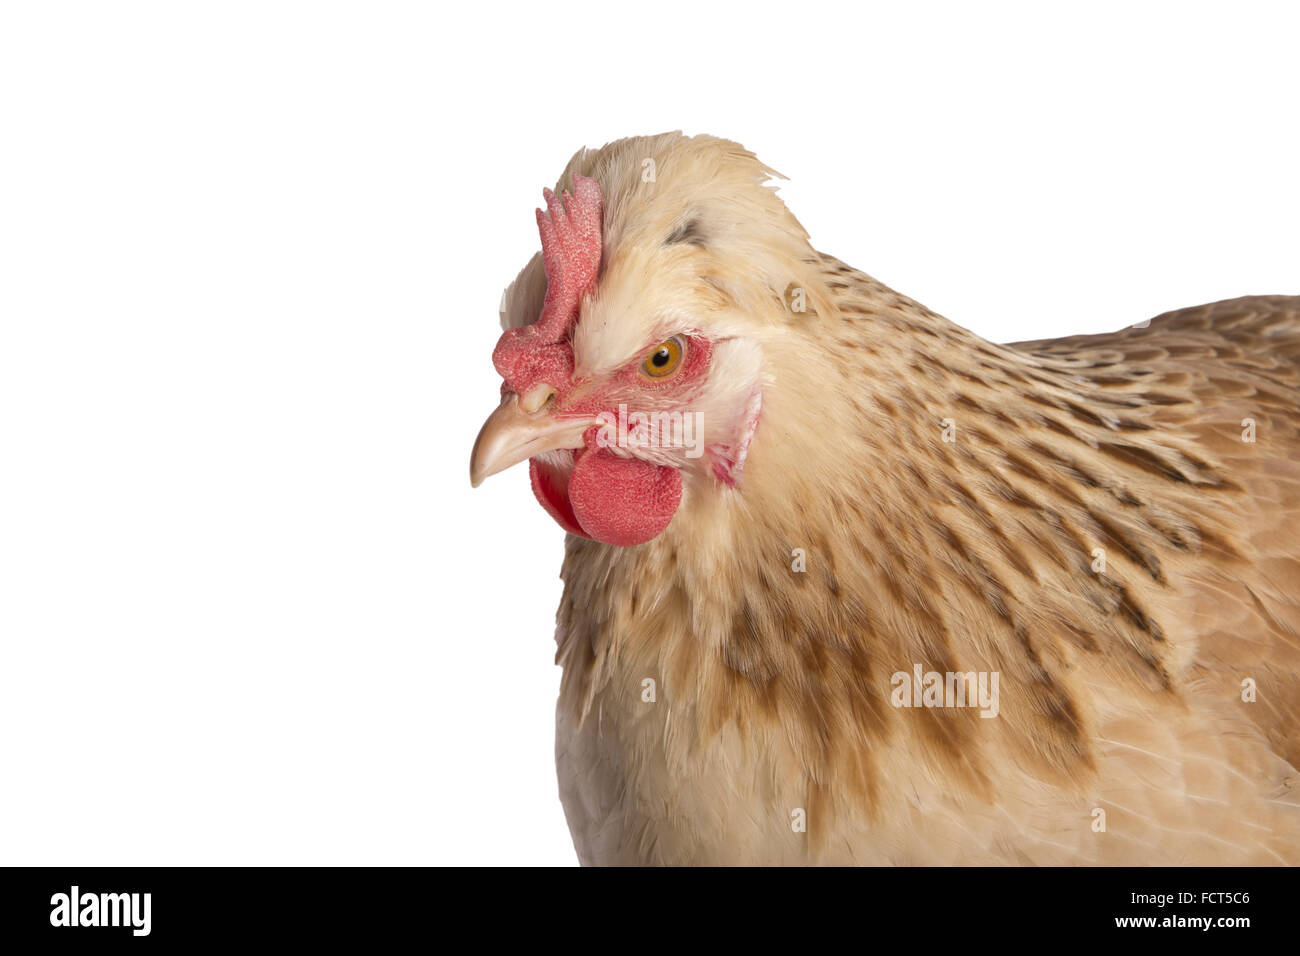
[(663, 361)]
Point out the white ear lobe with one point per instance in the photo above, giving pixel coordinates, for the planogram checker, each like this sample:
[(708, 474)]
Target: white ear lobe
[(729, 408), (737, 371), (521, 302)]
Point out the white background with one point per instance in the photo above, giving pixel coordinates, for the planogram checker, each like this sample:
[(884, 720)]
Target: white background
[(250, 262)]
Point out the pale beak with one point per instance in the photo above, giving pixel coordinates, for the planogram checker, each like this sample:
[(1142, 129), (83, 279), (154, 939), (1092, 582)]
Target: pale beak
[(511, 435)]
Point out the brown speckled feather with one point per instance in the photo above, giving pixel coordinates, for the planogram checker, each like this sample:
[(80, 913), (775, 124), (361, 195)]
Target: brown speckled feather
[(1209, 370), (953, 500)]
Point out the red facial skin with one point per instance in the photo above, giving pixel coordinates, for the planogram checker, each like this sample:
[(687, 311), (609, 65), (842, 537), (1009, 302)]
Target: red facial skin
[(610, 498), (614, 498)]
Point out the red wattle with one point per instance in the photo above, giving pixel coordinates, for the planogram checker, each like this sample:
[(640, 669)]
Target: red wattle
[(622, 501), (551, 488)]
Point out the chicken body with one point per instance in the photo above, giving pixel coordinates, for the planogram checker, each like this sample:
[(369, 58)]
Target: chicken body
[(1107, 523)]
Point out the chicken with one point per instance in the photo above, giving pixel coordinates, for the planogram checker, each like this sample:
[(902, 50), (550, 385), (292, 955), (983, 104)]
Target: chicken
[(845, 583)]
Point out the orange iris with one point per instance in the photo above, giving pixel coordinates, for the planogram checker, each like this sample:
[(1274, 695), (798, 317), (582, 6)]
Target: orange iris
[(664, 359)]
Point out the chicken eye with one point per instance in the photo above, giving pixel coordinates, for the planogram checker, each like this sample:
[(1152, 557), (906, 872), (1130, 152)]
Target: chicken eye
[(664, 358)]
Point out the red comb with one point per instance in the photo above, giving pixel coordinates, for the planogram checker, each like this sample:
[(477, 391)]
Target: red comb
[(570, 232), (570, 251)]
